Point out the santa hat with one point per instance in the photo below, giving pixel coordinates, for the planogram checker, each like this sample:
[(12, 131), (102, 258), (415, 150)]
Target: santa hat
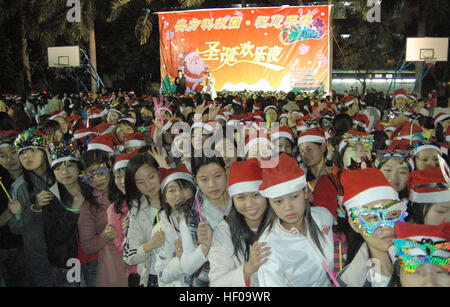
[(103, 128), (135, 139), (258, 138), (221, 115), (270, 107), (176, 173), (245, 177), (418, 146), (428, 186), (447, 135), (256, 106), (283, 179), (348, 100), (284, 132), (237, 100), (413, 97), (104, 142), (57, 113), (114, 110), (284, 114), (128, 119), (122, 160), (98, 111), (361, 120), (419, 232), (364, 186), (400, 93), (313, 135), (62, 151), (7, 137), (407, 131), (440, 117), (75, 122), (304, 123), (85, 132)]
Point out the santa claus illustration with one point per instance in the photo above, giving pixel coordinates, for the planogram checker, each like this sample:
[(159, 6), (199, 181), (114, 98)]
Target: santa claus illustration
[(193, 68)]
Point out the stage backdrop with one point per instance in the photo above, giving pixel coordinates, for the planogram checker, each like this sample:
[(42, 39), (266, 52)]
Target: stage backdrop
[(277, 48)]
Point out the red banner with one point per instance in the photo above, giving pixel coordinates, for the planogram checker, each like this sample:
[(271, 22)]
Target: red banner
[(269, 49)]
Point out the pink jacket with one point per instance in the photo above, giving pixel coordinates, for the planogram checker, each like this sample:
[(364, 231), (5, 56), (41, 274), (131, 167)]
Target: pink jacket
[(115, 220), (111, 269)]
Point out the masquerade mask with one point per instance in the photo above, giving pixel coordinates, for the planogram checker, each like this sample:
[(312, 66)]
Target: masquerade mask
[(89, 178), (372, 219), (365, 140), (413, 253)]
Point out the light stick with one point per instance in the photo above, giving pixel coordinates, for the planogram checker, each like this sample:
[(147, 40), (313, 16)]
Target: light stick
[(4, 189), (340, 257), (173, 226), (330, 274), (198, 207), (157, 220)]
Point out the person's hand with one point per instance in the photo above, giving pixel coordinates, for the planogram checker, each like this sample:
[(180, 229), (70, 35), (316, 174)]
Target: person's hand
[(258, 256), (204, 234), (110, 232), (178, 248), (125, 223), (14, 206), (78, 201), (159, 156), (292, 119), (44, 198), (213, 111), (156, 241), (198, 116)]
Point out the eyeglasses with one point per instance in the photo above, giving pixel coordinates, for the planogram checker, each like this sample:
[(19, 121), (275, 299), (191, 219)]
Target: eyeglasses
[(413, 253), (372, 219), (89, 178)]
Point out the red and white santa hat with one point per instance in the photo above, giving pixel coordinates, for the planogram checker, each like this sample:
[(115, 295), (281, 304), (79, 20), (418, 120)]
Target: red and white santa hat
[(447, 135), (122, 160), (85, 132), (98, 111), (245, 177), (419, 232), (256, 106), (285, 178), (282, 132), (222, 115), (237, 100), (103, 128), (364, 186), (348, 100), (114, 110), (261, 137), (313, 135), (400, 93), (440, 117), (135, 139), (175, 173), (57, 113), (420, 146), (361, 120), (428, 186), (270, 106), (104, 142), (406, 131)]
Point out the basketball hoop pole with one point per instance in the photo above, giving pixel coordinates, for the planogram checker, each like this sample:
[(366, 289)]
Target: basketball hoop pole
[(91, 70)]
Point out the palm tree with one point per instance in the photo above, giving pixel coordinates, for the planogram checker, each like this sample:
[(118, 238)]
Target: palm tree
[(144, 24)]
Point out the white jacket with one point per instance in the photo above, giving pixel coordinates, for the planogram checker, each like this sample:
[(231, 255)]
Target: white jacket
[(226, 269), (139, 232), (167, 264), (295, 260)]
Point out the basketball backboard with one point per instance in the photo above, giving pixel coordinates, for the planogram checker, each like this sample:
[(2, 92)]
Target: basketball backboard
[(426, 49), (68, 56)]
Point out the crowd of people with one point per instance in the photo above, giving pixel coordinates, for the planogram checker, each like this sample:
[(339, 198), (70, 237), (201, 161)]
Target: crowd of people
[(245, 189)]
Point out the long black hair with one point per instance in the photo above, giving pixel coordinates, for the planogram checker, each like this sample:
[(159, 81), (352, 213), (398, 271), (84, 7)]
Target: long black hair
[(92, 157), (27, 174), (198, 162), (181, 210), (241, 234), (131, 191), (117, 197), (417, 212)]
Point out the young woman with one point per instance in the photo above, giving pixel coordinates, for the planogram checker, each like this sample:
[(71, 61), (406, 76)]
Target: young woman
[(61, 210), (28, 220), (11, 245), (373, 208), (396, 167), (118, 211), (283, 139), (429, 196), (210, 205), (143, 194), (235, 256), (178, 189), (426, 155), (96, 235), (299, 236), (421, 257)]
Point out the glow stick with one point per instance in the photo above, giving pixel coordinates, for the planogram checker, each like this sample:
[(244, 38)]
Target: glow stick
[(173, 226), (4, 189), (198, 207), (157, 220), (340, 257), (330, 274)]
